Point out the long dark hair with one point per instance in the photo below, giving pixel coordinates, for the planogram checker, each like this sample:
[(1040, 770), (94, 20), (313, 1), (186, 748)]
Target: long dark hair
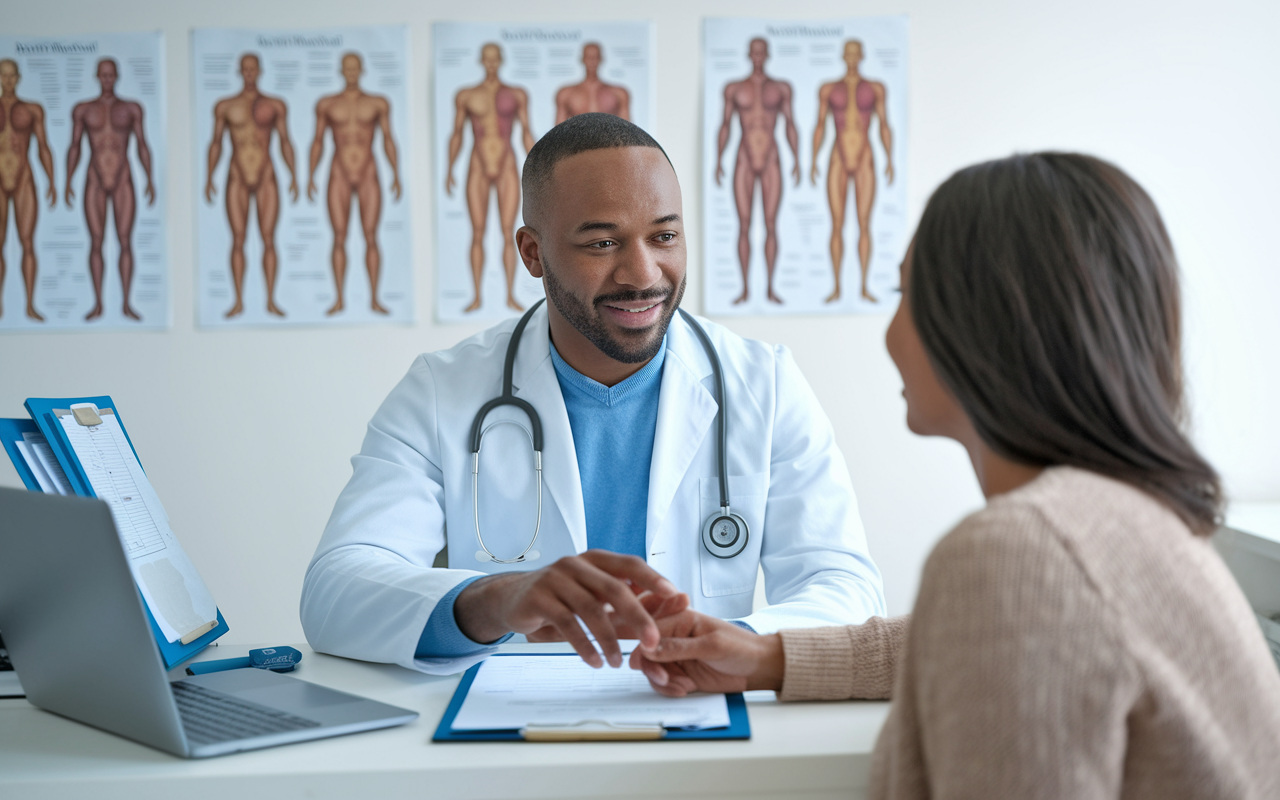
[(1045, 291)]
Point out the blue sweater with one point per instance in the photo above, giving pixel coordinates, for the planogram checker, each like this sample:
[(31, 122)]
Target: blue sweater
[(613, 432)]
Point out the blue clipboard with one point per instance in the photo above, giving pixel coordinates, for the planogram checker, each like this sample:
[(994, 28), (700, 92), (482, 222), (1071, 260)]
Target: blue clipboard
[(11, 431), (42, 419), (739, 723)]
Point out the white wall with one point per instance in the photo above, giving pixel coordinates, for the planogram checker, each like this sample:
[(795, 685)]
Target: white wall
[(1181, 94)]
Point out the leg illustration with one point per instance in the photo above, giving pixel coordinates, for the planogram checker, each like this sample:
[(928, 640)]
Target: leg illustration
[(123, 204), (4, 232), (238, 218), (864, 193), (339, 217), (26, 207), (369, 193), (268, 200), (95, 216), (771, 199), (508, 187), (478, 207), (744, 188), (837, 196)]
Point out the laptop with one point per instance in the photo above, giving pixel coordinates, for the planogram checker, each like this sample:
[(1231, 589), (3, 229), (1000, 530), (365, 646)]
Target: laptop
[(77, 632)]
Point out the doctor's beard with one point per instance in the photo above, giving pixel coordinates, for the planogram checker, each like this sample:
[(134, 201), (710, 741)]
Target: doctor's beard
[(639, 346)]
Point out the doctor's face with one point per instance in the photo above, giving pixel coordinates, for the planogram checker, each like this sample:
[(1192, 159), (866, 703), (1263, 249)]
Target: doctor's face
[(611, 253)]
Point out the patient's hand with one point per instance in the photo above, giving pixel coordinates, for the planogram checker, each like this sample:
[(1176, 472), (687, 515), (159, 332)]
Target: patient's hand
[(698, 653)]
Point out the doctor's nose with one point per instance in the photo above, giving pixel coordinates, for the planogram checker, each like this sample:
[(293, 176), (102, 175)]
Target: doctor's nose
[(638, 267)]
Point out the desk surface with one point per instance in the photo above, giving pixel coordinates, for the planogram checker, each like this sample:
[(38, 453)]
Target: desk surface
[(811, 750)]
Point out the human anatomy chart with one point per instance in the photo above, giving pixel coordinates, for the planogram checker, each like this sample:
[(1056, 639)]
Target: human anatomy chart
[(498, 87), (804, 190), (303, 209), (82, 175)]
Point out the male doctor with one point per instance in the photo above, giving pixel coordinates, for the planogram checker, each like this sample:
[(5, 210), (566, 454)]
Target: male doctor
[(626, 395)]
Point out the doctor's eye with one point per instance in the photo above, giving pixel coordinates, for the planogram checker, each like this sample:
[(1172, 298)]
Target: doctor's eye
[(603, 243), (667, 236)]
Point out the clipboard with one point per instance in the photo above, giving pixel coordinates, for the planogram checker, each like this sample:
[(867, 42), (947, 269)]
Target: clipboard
[(11, 431), (739, 723), (44, 420)]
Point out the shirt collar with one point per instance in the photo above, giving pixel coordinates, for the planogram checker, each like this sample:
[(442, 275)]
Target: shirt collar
[(644, 378)]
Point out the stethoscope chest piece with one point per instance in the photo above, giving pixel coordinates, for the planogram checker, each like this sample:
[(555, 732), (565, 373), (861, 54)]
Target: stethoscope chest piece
[(725, 534)]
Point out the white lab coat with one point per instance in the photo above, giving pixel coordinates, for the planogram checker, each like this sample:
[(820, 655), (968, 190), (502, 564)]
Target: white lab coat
[(371, 586)]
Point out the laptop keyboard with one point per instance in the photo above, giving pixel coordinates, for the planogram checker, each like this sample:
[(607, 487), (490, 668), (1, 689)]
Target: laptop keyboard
[(209, 716)]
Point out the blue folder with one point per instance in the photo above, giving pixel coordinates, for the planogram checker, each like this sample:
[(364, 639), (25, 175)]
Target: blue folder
[(42, 419), (739, 724)]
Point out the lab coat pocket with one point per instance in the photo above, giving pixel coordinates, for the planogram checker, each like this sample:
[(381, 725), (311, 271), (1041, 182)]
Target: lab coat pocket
[(747, 497)]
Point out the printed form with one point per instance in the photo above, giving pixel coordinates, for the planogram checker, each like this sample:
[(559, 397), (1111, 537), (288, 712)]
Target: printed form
[(519, 690), (169, 582)]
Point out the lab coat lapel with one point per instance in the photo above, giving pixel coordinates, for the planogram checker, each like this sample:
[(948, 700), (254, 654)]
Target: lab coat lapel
[(686, 411), (534, 380)]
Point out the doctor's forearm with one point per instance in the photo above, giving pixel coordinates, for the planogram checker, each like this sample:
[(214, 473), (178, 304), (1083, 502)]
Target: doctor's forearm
[(480, 608)]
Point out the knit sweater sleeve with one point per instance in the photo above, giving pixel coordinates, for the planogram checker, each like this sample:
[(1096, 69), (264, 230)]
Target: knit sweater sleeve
[(844, 662), (1014, 677)]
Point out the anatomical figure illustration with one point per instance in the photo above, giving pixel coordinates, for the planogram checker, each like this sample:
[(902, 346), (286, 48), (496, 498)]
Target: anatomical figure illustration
[(492, 107), (250, 118), (109, 122), (592, 94), (852, 102), (758, 100), (355, 117), (19, 121)]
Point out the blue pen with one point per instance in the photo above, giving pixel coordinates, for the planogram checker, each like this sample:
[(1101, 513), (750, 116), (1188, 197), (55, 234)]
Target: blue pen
[(276, 659)]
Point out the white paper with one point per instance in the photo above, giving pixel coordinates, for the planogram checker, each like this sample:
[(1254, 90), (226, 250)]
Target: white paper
[(803, 56), (515, 691), (169, 582), (538, 62), (297, 69), (44, 453), (60, 75)]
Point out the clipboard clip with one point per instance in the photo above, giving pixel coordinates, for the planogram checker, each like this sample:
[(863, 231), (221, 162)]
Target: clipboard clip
[(86, 414), (592, 730)]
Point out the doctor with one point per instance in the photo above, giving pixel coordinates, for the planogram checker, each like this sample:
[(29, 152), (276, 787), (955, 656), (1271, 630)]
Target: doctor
[(623, 508)]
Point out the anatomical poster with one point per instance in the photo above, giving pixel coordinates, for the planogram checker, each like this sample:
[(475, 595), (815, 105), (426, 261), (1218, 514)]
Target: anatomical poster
[(804, 164), (302, 146), (82, 223), (498, 87)]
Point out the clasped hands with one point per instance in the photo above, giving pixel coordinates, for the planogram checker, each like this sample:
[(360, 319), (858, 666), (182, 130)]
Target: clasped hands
[(621, 597)]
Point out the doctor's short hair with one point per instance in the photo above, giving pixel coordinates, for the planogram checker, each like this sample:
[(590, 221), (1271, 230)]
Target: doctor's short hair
[(578, 134), (1045, 291)]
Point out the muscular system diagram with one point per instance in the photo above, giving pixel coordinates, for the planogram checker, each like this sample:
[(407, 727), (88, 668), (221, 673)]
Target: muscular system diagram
[(758, 100), (109, 122), (492, 107), (852, 102), (250, 118), (592, 94), (20, 120), (355, 117)]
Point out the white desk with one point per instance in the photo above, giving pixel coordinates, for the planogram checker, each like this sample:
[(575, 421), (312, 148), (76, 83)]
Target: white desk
[(803, 750)]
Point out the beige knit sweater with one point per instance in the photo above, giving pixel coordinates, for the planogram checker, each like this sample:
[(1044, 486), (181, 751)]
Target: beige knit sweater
[(1073, 639)]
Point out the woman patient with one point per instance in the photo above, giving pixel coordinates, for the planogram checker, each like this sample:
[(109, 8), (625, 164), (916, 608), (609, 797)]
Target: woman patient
[(1079, 636)]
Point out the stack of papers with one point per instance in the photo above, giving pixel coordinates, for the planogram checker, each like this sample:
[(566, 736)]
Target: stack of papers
[(517, 691)]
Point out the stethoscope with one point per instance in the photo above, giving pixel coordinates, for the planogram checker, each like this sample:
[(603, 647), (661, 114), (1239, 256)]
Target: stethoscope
[(724, 534)]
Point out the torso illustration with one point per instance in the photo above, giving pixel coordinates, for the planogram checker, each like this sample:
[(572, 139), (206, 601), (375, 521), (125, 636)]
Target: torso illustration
[(592, 94), (249, 119), (852, 103), (758, 100), (20, 121), (492, 107), (354, 118), (109, 121)]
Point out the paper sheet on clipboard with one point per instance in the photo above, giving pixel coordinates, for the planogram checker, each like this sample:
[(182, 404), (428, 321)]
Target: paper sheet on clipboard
[(518, 690), (169, 582)]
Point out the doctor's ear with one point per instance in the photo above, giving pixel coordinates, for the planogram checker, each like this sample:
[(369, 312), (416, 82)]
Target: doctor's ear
[(530, 250)]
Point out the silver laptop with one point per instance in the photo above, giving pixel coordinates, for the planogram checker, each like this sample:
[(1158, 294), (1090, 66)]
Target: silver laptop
[(77, 632)]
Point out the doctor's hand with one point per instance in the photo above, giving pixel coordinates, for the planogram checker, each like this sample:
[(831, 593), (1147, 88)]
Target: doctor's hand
[(698, 653), (600, 587)]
